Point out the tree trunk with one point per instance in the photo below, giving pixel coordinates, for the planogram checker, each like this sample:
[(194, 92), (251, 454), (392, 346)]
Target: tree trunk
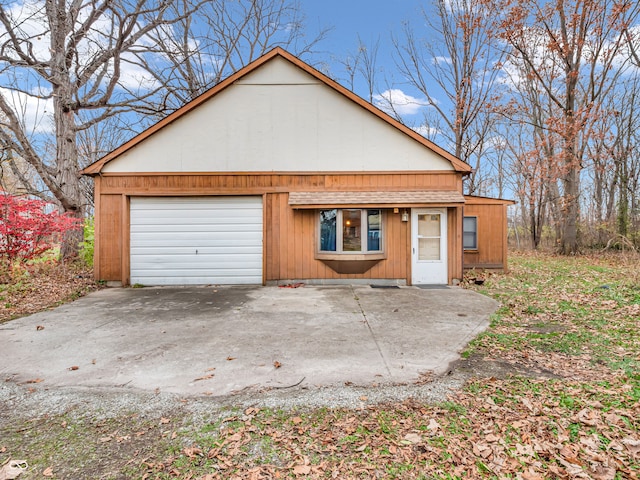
[(571, 211), (67, 178)]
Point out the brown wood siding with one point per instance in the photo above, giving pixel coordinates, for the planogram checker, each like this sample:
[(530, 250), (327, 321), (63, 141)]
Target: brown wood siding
[(292, 244), (248, 184), (492, 236), (290, 241), (109, 240), (454, 243)]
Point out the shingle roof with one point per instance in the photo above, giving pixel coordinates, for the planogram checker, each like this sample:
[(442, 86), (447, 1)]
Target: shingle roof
[(316, 199)]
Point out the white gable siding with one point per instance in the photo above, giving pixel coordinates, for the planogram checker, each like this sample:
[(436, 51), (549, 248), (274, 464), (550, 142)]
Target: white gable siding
[(278, 118)]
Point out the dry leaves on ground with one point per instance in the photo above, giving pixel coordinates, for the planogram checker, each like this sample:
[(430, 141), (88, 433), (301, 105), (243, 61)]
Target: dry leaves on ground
[(42, 286)]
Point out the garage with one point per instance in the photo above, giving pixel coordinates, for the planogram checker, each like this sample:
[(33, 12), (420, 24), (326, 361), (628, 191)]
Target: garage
[(196, 240)]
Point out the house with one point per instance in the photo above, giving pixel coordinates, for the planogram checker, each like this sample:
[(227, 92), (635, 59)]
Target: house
[(280, 174)]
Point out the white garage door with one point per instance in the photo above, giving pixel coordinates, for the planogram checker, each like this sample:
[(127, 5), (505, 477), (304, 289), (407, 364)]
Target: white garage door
[(196, 240)]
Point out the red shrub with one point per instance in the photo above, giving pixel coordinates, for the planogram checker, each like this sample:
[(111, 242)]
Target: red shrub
[(26, 231)]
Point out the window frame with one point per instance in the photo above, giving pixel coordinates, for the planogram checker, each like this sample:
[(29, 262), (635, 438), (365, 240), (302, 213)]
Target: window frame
[(364, 220), (475, 233)]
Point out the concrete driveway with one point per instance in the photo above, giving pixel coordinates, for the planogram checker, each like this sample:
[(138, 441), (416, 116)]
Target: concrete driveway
[(222, 340)]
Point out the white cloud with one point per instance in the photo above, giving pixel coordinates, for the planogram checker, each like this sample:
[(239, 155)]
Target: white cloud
[(30, 21), (441, 59), (427, 132), (395, 101)]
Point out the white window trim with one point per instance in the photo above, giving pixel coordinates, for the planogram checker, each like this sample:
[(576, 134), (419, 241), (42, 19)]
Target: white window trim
[(339, 234)]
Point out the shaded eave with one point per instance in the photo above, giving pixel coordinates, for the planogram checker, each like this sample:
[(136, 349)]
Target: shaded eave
[(96, 167), (478, 200)]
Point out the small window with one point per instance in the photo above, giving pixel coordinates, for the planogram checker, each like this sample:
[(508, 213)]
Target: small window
[(351, 230), (470, 233)]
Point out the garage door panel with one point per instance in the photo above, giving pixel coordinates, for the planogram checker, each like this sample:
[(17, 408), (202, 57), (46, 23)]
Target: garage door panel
[(205, 217), (198, 262), (166, 233), (186, 250), (173, 237), (208, 279), (185, 228)]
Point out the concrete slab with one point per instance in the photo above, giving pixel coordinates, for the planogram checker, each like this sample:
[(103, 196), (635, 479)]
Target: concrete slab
[(221, 340)]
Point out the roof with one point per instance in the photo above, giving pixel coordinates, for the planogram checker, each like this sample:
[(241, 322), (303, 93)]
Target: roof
[(387, 199), (96, 167), (478, 200)]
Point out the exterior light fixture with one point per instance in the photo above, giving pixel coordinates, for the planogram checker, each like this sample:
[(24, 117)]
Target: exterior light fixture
[(405, 215)]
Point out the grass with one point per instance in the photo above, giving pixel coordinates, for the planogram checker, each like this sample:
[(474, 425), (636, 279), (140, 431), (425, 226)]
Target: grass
[(567, 326)]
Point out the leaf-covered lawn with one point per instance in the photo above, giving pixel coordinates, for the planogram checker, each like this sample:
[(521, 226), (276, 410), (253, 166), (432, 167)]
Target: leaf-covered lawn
[(570, 323), (568, 326), (42, 285)]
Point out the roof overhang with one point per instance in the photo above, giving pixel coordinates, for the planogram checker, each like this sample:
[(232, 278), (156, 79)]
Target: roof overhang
[(386, 199), (478, 200)]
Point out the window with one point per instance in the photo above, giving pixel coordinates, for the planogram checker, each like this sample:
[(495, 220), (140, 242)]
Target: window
[(470, 233), (351, 230)]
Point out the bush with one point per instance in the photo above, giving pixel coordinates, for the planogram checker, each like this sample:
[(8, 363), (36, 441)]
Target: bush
[(86, 246), (27, 231)]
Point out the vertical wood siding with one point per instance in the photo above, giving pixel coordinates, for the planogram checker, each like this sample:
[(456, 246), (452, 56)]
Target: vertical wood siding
[(492, 236), (290, 241), (111, 237)]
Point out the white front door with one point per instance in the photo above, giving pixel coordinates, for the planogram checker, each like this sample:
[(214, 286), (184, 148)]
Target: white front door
[(429, 246)]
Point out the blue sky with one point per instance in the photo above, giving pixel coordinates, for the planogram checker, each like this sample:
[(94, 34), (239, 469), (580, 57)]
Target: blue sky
[(372, 21), (368, 18)]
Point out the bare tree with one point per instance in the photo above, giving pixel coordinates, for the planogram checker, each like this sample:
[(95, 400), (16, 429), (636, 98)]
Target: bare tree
[(574, 52), (71, 57), (200, 50), (361, 64), (456, 73)]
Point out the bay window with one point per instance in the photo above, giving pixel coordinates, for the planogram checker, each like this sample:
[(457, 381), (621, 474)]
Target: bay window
[(350, 231)]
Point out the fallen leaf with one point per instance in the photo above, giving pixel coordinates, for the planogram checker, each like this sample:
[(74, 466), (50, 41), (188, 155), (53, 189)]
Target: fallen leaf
[(48, 472), (164, 420), (632, 445), (230, 358), (39, 327), (532, 476), (204, 377), (601, 472), (296, 420), (433, 425), (192, 452), (413, 438), (35, 380), (302, 470), (277, 364), (74, 367)]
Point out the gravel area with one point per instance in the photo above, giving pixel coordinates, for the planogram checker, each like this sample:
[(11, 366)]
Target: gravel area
[(29, 401)]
